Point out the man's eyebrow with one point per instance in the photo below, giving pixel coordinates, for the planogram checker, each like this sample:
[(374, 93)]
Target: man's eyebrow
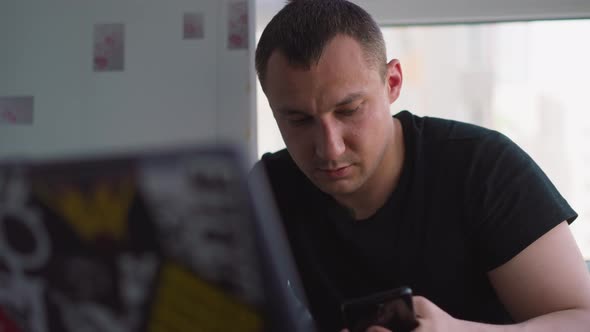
[(290, 111), (349, 99)]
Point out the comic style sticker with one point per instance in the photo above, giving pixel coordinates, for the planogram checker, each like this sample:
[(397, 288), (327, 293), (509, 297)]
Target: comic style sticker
[(199, 216), (16, 110), (192, 26), (237, 25), (100, 210), (109, 47), (180, 292)]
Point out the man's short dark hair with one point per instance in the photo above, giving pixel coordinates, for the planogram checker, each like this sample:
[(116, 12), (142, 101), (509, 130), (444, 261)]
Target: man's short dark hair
[(301, 30)]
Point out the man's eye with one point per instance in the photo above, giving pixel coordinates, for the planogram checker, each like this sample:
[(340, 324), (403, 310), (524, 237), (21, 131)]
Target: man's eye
[(300, 120), (348, 112)]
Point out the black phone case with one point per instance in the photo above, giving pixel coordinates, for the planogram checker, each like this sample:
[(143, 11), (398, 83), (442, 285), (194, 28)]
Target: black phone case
[(391, 309)]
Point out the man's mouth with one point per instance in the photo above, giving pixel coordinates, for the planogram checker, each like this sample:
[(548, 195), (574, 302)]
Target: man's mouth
[(336, 172)]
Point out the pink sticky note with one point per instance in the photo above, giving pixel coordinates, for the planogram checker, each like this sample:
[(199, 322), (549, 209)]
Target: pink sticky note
[(192, 26), (16, 110), (238, 25), (109, 47)]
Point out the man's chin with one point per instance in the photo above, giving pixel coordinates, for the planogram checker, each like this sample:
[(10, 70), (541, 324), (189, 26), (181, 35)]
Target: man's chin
[(336, 188)]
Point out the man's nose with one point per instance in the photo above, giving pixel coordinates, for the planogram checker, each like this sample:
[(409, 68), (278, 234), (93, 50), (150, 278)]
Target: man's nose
[(329, 143)]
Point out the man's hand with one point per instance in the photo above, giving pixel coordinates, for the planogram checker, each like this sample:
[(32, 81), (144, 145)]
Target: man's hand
[(546, 287), (431, 319)]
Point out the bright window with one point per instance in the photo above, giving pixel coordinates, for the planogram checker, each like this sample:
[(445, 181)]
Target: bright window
[(529, 80)]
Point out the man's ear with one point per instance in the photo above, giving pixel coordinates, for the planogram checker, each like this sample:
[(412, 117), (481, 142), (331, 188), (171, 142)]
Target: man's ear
[(394, 80)]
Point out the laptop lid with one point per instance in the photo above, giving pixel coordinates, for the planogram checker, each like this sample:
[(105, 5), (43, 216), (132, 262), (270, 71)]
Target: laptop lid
[(168, 240)]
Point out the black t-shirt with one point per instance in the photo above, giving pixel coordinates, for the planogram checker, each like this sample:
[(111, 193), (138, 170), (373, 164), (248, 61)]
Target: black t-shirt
[(468, 200)]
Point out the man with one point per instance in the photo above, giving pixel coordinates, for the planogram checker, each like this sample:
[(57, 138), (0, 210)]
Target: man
[(372, 202)]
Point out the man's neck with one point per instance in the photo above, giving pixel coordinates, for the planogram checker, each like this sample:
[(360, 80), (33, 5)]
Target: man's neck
[(365, 202)]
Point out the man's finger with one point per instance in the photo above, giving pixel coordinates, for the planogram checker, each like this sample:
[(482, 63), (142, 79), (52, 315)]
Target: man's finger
[(421, 305)]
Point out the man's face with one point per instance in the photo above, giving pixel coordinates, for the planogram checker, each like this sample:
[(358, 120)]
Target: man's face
[(334, 117)]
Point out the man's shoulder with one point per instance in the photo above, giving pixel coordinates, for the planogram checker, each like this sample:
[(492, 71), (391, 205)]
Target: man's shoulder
[(463, 149), (280, 156), (440, 129), (279, 162), (289, 185), (280, 168)]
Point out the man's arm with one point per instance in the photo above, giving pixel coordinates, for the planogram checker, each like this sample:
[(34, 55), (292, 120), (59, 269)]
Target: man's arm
[(546, 287)]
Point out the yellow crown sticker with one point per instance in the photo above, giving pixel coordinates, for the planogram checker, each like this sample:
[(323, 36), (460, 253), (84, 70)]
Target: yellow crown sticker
[(99, 211)]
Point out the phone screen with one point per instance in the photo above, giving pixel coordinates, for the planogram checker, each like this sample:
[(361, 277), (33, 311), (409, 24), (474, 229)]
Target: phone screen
[(392, 309)]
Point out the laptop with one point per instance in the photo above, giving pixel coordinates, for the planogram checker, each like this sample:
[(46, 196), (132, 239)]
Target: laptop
[(168, 240)]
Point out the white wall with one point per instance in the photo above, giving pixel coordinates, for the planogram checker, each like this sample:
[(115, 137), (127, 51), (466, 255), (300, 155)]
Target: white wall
[(171, 91)]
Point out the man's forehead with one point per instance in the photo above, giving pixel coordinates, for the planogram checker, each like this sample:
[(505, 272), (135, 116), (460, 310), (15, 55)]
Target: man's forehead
[(306, 103), (341, 74), (329, 63), (283, 77), (278, 60)]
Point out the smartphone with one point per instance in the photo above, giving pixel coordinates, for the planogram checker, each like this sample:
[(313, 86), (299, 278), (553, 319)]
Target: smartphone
[(391, 309)]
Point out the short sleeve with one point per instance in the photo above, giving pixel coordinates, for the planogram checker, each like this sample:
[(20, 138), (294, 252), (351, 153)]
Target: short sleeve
[(513, 203)]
